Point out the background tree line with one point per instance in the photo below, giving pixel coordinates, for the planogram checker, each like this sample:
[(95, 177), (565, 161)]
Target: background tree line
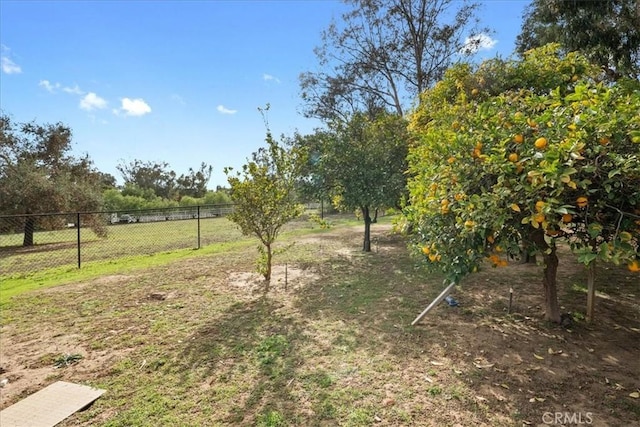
[(38, 174)]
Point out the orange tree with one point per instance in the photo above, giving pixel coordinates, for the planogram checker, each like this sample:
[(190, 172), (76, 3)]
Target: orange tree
[(524, 153)]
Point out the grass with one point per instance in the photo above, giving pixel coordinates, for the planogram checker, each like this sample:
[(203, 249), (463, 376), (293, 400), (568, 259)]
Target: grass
[(334, 348), (37, 271), (59, 248)]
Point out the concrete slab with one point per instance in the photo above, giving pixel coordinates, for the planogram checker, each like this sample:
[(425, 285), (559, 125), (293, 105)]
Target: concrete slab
[(49, 406)]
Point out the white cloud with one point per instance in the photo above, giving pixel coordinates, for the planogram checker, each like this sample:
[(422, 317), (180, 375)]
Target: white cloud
[(91, 101), (54, 87), (135, 107), (49, 86), (478, 42), (75, 90), (224, 110), (9, 67), (268, 77)]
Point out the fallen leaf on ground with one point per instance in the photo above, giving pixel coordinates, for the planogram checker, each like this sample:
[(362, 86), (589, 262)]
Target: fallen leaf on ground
[(483, 366)]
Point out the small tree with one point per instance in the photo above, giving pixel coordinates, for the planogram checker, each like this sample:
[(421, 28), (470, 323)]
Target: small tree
[(264, 197), (360, 164), (534, 150)]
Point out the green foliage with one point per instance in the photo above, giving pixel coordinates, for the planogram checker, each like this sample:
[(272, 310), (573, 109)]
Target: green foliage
[(65, 360), (38, 175), (364, 162), (607, 32), (117, 200), (271, 419), (264, 196), (323, 223), (360, 163), (153, 179), (271, 349), (499, 162)]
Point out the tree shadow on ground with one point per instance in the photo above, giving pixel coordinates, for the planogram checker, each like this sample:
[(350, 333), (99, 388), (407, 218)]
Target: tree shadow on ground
[(254, 343), (515, 364)]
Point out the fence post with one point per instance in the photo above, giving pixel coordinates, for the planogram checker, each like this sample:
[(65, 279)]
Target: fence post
[(198, 226), (78, 228)]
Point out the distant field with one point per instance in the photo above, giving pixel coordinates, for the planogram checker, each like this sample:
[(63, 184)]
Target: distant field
[(59, 248)]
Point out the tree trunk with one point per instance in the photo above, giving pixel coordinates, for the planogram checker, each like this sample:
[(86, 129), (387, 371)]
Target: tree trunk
[(375, 217), (29, 227), (549, 281), (267, 272), (552, 310), (366, 247), (591, 290)]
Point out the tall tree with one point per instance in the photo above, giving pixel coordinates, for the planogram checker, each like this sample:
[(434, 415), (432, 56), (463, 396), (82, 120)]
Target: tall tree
[(194, 183), (150, 175), (39, 175), (263, 193), (606, 31), (143, 178), (384, 53)]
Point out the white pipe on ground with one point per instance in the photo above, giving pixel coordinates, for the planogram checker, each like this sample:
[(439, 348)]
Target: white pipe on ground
[(435, 302)]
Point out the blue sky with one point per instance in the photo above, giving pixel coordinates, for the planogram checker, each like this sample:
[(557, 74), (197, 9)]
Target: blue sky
[(174, 81)]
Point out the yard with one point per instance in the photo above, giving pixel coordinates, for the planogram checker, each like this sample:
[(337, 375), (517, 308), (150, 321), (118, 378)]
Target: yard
[(189, 338)]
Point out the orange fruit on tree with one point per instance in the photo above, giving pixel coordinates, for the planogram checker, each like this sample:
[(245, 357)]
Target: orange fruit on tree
[(539, 205), (513, 157), (566, 218), (426, 250), (518, 139), (634, 265), (475, 92), (540, 143), (582, 202), (451, 159), (604, 141), (539, 218)]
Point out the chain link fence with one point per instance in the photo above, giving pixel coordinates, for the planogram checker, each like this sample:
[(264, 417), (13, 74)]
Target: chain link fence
[(31, 243)]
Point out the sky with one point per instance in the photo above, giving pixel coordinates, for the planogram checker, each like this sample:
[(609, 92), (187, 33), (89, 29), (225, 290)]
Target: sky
[(176, 81)]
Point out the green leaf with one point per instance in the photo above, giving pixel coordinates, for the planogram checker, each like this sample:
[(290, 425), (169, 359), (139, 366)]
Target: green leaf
[(614, 173), (587, 258), (594, 230)]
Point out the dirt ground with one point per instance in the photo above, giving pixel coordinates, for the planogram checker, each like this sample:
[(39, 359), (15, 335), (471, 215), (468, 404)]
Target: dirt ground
[(509, 368)]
